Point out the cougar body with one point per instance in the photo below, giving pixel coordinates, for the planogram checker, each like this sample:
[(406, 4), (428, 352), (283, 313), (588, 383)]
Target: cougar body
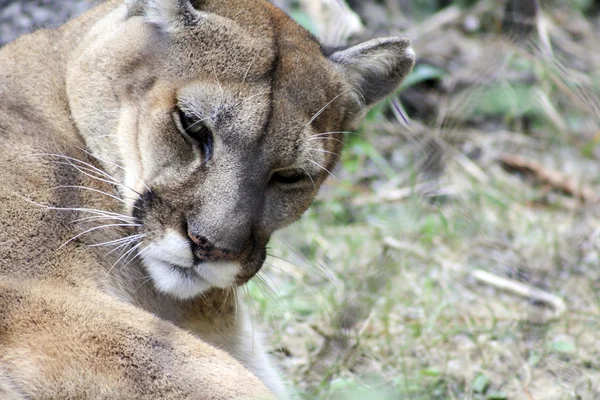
[(148, 150)]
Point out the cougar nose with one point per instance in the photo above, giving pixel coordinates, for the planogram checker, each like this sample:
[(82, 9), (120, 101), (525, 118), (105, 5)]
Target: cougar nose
[(205, 250), (198, 240)]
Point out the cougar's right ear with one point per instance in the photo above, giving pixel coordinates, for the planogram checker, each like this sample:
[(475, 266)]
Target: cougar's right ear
[(169, 15), (375, 68)]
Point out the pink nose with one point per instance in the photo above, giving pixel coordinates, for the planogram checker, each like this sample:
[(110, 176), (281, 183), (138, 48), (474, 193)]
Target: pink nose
[(206, 251), (198, 239)]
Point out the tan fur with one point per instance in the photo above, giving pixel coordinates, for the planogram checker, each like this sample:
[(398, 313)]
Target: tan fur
[(89, 129)]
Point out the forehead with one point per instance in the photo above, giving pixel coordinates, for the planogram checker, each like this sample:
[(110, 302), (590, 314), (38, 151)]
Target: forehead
[(264, 62)]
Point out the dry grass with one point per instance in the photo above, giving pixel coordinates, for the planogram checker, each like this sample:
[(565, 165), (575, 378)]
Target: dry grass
[(375, 292)]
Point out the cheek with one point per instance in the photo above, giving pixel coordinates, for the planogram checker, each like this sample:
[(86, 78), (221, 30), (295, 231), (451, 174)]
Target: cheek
[(283, 209)]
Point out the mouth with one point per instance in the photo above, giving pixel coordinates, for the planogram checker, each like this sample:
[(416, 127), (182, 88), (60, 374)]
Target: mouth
[(189, 281), (176, 270), (178, 281)]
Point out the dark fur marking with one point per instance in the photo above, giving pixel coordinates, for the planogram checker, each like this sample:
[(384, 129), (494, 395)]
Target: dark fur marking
[(272, 74), (143, 203)]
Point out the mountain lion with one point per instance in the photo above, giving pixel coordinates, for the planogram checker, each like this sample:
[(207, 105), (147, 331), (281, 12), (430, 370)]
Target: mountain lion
[(148, 150)]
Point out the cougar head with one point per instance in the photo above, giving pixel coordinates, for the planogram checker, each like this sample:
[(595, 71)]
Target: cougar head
[(224, 118)]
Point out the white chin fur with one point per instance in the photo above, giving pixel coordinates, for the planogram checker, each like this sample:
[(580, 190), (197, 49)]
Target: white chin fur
[(170, 263), (171, 280)]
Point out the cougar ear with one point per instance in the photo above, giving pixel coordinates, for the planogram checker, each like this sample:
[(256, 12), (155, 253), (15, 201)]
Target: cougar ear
[(375, 68), (170, 15)]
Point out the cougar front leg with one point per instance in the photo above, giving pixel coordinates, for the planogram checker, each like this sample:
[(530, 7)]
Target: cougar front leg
[(58, 343), (222, 319), (247, 347)]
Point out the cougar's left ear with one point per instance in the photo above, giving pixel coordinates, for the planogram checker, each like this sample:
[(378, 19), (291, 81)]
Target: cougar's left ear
[(169, 15), (375, 68)]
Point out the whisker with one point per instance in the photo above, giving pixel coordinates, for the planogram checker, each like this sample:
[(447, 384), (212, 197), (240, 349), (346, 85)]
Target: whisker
[(263, 282), (224, 302), (322, 151), (71, 159), (94, 168), (78, 209), (306, 172), (322, 270), (325, 107), (80, 168), (339, 132), (95, 229), (253, 96), (104, 218), (251, 310), (145, 249), (289, 262), (323, 168), (123, 256), (291, 276), (326, 138), (235, 309), (101, 159), (127, 239), (148, 279), (249, 67), (90, 173), (272, 295), (92, 190), (136, 256), (122, 246), (195, 123)]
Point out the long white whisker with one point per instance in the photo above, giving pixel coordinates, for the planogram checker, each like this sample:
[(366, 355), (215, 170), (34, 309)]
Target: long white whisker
[(130, 259), (104, 218), (127, 239), (85, 210), (249, 66), (290, 275), (102, 160), (148, 279), (325, 107), (326, 138), (272, 294), (72, 159), (110, 179), (81, 169), (91, 190), (253, 96), (195, 123), (322, 151), (95, 229), (235, 310), (323, 168), (116, 166), (123, 256), (309, 177), (122, 246), (333, 133)]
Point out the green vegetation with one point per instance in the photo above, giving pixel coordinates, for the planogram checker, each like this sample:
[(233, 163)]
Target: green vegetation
[(375, 293)]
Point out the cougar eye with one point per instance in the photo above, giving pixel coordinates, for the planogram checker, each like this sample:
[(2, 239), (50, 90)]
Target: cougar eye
[(194, 128), (288, 176)]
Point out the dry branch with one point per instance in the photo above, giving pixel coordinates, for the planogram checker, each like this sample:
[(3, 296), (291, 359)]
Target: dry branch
[(508, 285), (555, 179)]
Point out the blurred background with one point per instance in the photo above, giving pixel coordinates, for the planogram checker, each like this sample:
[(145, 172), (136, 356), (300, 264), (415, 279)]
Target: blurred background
[(456, 253)]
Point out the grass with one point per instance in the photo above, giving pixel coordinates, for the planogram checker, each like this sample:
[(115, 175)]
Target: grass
[(350, 317)]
